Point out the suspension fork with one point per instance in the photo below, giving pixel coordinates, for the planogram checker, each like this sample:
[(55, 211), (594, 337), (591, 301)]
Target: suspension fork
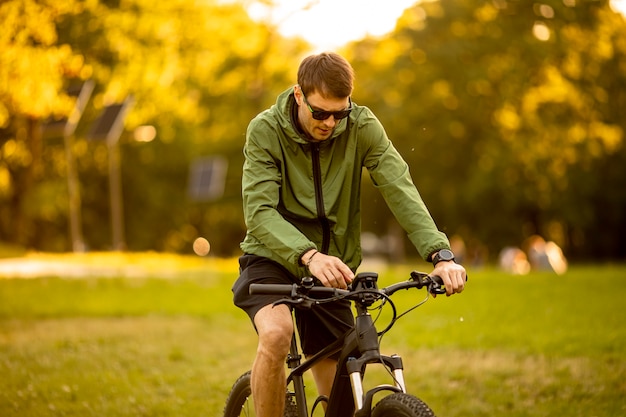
[(368, 345)]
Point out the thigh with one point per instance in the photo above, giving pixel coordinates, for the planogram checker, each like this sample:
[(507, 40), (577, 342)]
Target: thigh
[(275, 328), (323, 324), (258, 270)]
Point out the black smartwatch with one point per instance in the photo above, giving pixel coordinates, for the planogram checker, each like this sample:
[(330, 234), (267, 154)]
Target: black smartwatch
[(442, 255)]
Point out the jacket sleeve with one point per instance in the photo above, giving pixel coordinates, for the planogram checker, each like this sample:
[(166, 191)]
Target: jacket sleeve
[(261, 184), (391, 176)]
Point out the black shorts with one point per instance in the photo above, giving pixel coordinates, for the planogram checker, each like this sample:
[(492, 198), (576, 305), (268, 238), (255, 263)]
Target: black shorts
[(317, 327)]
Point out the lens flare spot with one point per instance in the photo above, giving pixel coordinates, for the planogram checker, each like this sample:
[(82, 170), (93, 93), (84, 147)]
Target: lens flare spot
[(201, 246)]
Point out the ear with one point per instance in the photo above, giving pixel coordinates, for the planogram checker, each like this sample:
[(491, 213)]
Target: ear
[(297, 93)]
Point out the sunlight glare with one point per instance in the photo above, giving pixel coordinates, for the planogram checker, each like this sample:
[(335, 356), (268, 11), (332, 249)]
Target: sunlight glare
[(330, 24), (618, 6)]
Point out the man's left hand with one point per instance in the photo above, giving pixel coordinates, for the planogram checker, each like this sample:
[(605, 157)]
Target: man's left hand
[(453, 276)]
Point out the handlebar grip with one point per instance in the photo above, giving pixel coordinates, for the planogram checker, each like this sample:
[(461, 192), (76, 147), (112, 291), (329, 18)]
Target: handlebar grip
[(294, 290), (275, 289), (437, 279)]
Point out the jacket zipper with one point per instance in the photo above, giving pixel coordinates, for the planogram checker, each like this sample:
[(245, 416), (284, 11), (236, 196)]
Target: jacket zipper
[(319, 197)]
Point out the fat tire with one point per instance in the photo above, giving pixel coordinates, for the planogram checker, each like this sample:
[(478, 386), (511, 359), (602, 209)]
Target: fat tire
[(239, 401), (402, 405)]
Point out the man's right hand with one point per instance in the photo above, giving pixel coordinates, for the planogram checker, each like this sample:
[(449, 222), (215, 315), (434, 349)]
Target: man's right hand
[(330, 270)]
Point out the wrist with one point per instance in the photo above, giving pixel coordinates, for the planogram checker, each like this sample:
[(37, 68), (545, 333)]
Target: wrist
[(308, 263), (306, 257), (443, 255)]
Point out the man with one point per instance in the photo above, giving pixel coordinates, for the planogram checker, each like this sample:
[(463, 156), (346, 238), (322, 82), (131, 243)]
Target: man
[(301, 193)]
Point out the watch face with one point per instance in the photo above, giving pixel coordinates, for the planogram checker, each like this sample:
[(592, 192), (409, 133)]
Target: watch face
[(445, 255)]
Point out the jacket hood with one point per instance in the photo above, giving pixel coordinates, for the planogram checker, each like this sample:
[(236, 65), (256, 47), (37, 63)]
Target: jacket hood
[(283, 111)]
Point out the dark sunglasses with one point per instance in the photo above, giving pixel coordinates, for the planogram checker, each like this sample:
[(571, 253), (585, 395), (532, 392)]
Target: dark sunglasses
[(323, 114)]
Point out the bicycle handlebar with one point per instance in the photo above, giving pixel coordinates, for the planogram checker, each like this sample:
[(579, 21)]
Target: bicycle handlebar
[(294, 291)]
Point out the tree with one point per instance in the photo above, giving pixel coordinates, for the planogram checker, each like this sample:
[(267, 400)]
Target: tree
[(197, 72), (498, 108), (33, 71)]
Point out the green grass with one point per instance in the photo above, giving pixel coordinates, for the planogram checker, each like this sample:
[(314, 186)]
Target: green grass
[(537, 345)]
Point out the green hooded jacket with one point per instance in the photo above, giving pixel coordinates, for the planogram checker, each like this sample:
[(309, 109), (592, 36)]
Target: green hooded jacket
[(299, 195)]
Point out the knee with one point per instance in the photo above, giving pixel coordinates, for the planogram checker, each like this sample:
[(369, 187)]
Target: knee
[(275, 329), (276, 339)]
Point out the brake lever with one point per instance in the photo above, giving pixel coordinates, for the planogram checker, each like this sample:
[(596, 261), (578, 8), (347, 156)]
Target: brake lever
[(424, 279), (436, 288), (299, 302)]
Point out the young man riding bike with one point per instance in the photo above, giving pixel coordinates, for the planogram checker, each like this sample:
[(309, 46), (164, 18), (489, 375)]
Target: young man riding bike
[(301, 192)]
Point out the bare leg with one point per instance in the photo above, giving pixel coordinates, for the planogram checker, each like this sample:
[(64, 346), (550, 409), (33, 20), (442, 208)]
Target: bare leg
[(324, 375), (275, 329)]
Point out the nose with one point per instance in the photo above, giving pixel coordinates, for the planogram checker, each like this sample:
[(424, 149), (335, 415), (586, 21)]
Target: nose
[(330, 121)]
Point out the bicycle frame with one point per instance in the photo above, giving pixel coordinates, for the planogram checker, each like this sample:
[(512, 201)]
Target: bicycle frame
[(357, 348)]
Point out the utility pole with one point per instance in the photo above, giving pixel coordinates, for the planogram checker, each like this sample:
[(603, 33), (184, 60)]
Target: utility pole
[(109, 127), (67, 128)]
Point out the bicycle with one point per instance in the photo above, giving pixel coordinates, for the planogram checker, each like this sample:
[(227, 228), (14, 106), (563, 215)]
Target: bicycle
[(358, 348)]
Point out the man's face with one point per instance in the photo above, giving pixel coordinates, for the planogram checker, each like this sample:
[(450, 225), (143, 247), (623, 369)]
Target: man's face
[(319, 130)]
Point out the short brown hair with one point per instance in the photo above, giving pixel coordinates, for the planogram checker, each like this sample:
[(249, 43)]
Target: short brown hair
[(327, 73)]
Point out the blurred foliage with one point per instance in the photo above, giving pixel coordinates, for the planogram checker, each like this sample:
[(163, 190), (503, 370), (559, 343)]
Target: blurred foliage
[(510, 114), (197, 71)]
